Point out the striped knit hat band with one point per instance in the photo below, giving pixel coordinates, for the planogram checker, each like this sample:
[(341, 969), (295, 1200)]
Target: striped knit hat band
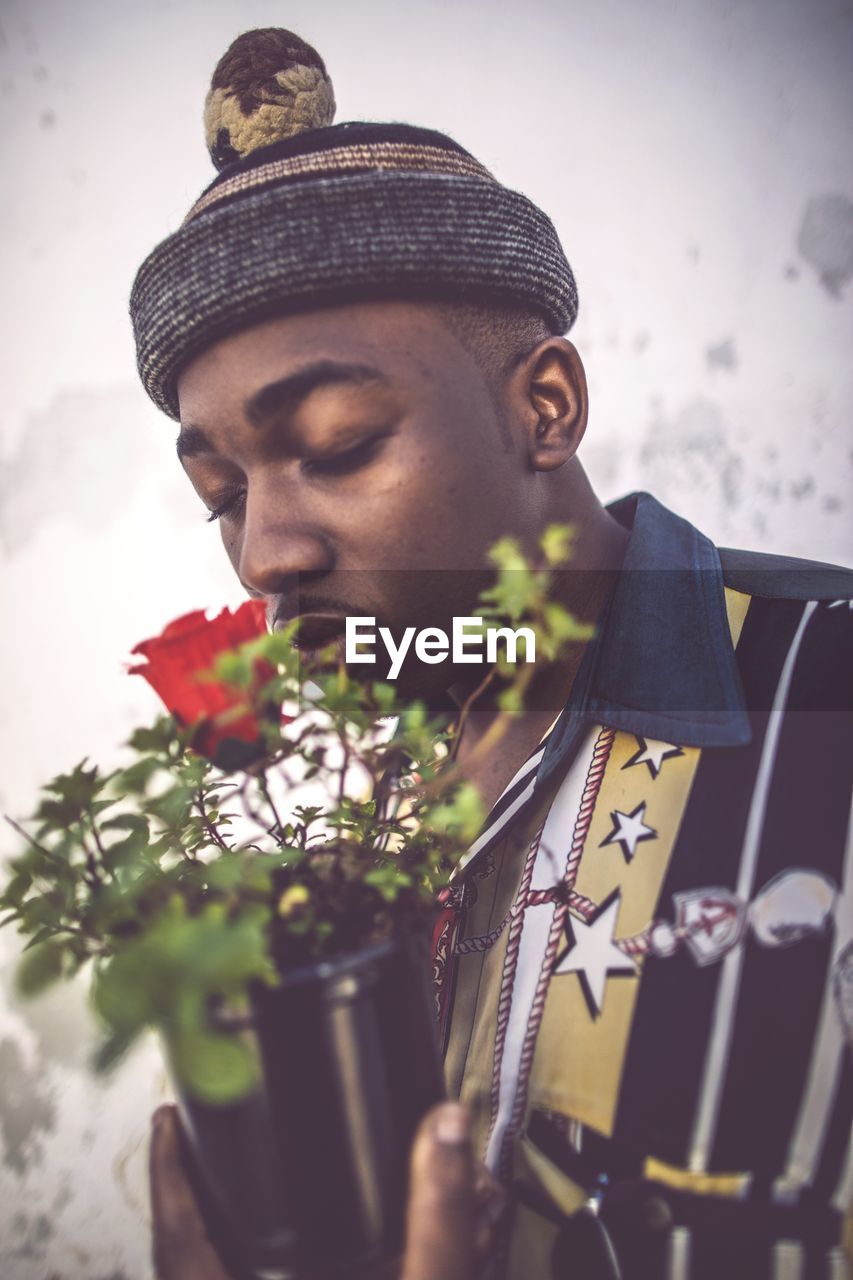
[(331, 215), (340, 150)]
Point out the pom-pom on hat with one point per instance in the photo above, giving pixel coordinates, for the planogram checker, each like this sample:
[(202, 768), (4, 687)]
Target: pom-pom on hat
[(305, 213), (267, 86)]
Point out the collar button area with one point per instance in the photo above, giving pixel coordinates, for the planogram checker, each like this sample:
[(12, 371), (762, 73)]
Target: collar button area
[(636, 1209), (583, 1248), (656, 1215)]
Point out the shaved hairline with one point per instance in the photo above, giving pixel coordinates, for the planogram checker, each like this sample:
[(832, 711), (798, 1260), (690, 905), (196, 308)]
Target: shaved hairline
[(497, 337)]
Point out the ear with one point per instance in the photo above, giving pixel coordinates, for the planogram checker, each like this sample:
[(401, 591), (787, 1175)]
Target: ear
[(552, 383)]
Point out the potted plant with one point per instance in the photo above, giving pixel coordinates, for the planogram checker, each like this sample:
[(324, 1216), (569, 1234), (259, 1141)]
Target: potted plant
[(259, 883)]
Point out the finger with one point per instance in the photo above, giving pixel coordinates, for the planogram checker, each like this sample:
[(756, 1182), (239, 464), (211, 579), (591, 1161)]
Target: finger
[(181, 1248), (440, 1228)]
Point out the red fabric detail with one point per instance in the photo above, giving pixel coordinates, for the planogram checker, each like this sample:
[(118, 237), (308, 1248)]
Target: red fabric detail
[(443, 944)]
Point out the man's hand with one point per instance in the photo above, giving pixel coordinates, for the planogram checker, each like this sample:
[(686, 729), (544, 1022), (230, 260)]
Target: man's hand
[(181, 1249), (453, 1201), (453, 1206)]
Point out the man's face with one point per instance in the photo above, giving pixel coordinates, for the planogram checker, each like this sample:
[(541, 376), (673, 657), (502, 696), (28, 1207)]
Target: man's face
[(356, 462)]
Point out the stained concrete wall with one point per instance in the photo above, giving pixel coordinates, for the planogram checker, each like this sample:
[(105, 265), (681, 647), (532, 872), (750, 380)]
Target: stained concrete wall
[(696, 158)]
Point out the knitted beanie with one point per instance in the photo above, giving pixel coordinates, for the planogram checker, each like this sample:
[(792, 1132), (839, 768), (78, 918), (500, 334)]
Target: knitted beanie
[(305, 213)]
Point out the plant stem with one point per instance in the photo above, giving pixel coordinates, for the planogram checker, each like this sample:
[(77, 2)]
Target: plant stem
[(265, 788), (209, 826), (490, 738), (466, 708), (277, 828), (342, 735), (16, 826), (92, 875), (96, 836)]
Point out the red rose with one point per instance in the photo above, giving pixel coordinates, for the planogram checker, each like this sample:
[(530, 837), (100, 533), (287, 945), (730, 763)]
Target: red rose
[(228, 720)]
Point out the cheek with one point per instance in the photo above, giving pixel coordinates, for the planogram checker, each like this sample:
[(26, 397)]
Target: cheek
[(465, 487), (447, 512), (231, 542), (427, 496)]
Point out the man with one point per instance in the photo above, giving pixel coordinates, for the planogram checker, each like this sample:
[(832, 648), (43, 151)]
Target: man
[(644, 967)]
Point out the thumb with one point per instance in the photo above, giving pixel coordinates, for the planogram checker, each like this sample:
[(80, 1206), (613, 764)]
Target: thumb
[(181, 1248), (440, 1227)]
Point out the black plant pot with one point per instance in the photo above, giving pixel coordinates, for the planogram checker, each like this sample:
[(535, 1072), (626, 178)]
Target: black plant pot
[(309, 1173)]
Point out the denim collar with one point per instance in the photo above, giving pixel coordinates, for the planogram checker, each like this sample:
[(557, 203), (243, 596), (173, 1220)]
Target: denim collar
[(662, 665)]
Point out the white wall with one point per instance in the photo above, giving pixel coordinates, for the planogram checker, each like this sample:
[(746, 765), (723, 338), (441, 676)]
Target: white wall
[(696, 158)]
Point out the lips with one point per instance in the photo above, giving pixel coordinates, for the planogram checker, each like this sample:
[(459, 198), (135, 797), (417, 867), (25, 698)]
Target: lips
[(317, 631)]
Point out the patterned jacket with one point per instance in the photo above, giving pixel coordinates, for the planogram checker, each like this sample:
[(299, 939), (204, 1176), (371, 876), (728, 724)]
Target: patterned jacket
[(646, 965)]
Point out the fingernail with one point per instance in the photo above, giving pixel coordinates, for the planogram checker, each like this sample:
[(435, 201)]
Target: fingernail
[(451, 1126)]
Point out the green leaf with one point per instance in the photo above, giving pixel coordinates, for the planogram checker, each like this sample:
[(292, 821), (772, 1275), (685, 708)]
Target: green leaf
[(174, 806), (307, 813), (506, 553), (461, 816), (134, 780), (40, 967), (124, 991), (226, 872), (562, 625), (112, 1049), (556, 543), (513, 596), (134, 849), (234, 669), (510, 701), (74, 793), (16, 890), (216, 1068), (135, 822), (385, 696), (158, 738), (41, 935), (414, 717), (52, 813), (388, 880)]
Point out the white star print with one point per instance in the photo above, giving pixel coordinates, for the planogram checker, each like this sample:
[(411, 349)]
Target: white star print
[(653, 754), (628, 830), (839, 604), (593, 955)]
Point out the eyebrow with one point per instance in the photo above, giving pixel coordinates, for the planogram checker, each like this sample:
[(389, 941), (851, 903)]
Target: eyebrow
[(283, 397), (192, 441)]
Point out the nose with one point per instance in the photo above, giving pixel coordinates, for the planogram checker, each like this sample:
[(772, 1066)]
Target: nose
[(279, 542)]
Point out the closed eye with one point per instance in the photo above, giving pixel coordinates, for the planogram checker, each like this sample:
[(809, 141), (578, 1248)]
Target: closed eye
[(229, 505), (340, 463), (346, 460)]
